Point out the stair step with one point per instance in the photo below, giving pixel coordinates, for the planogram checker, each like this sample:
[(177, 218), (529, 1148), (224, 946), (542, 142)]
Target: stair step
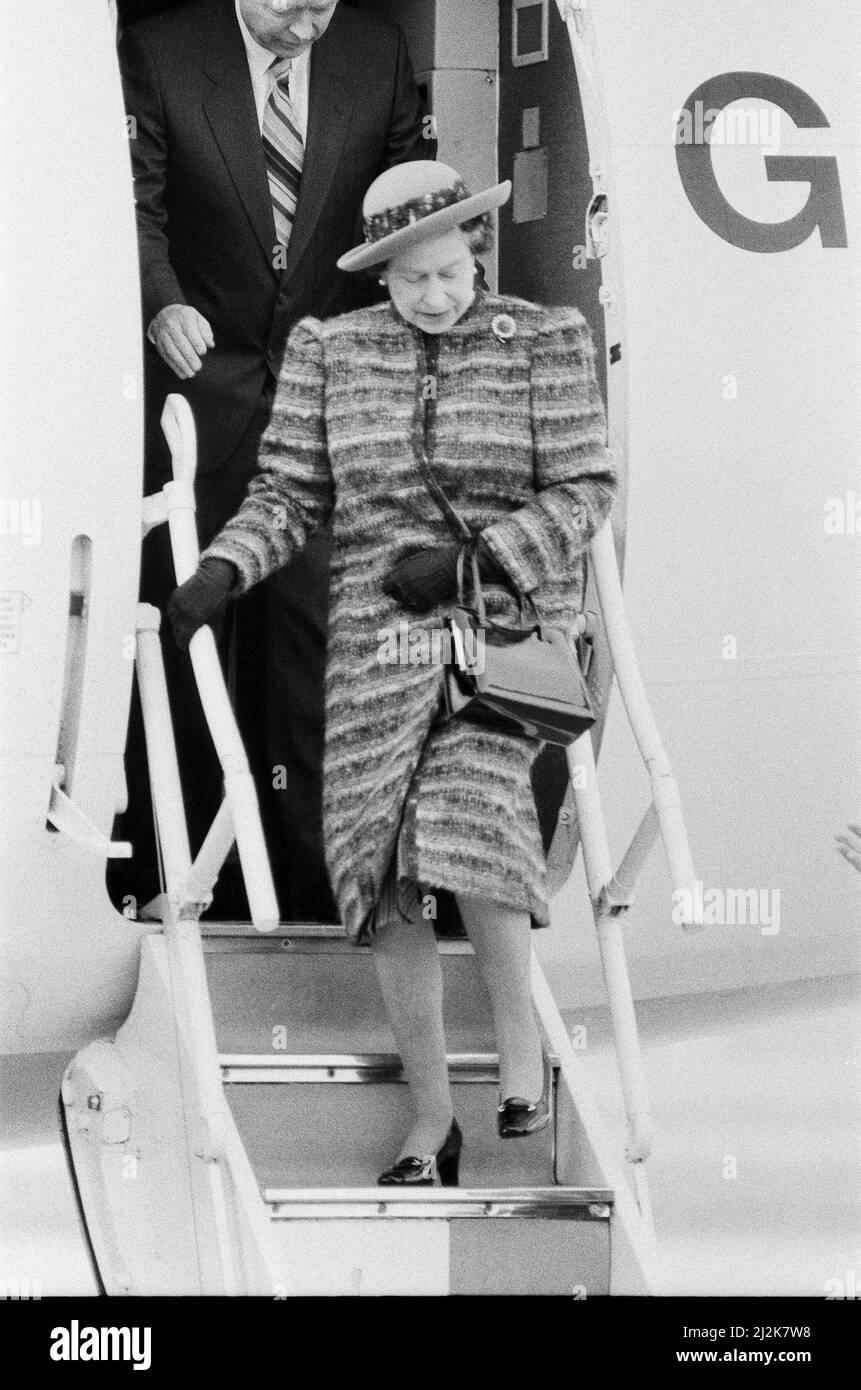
[(439, 1203), (240, 932), (539, 1240), (298, 993), (326, 1120), (482, 1068)]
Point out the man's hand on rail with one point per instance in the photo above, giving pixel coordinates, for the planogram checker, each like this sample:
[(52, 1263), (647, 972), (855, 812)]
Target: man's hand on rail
[(201, 599), (181, 337)]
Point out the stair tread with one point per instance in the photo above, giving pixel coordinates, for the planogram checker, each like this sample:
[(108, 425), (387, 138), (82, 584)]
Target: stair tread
[(346, 1203), (246, 931), (310, 936), (351, 1059), (584, 1195), (324, 1128)]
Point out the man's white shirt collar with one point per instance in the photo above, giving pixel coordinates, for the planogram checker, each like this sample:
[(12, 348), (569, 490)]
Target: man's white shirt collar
[(259, 58)]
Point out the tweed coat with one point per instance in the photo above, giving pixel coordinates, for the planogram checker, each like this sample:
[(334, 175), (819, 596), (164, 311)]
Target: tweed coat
[(513, 427)]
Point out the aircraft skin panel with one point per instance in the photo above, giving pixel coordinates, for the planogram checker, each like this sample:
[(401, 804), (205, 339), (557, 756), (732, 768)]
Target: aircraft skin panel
[(71, 470), (741, 571)]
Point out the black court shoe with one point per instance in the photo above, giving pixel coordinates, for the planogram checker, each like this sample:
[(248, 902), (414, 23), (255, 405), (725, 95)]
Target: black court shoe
[(419, 1172), (515, 1117)]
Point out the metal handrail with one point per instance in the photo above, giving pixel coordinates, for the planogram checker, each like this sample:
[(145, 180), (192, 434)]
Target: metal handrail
[(182, 937), (632, 1209), (665, 791), (178, 424), (188, 884), (611, 894), (608, 926)]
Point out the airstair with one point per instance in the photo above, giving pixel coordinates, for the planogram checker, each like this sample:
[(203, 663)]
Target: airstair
[(319, 1125), (228, 1139)]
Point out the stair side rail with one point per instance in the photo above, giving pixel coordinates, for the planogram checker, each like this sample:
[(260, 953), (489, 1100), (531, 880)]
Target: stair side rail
[(179, 507), (665, 792), (611, 894), (206, 1113)]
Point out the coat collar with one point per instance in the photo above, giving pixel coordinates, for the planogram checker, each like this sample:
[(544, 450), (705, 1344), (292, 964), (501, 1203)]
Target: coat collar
[(232, 116)]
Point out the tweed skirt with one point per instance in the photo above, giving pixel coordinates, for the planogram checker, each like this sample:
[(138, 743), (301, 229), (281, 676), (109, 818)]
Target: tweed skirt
[(469, 826)]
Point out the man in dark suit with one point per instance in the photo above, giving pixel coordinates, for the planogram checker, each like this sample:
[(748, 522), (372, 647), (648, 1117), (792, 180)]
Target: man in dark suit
[(239, 232)]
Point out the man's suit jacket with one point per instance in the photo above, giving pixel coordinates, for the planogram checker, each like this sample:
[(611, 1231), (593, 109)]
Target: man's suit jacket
[(205, 223)]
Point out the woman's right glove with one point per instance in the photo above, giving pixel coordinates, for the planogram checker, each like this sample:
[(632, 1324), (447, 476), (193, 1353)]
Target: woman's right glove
[(201, 599)]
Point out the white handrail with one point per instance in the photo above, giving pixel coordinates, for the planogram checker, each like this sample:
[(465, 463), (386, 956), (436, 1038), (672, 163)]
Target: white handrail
[(627, 1205), (619, 891), (182, 937), (599, 872), (212, 854), (161, 756), (610, 893), (178, 424), (665, 792)]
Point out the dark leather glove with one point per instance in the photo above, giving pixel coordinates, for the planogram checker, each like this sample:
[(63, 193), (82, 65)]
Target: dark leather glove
[(427, 577), (201, 599)]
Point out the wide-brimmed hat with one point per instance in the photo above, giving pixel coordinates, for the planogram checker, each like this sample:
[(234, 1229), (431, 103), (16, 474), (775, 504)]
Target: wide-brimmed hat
[(412, 203)]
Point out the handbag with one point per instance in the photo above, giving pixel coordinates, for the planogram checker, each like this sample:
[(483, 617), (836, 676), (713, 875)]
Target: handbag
[(526, 678)]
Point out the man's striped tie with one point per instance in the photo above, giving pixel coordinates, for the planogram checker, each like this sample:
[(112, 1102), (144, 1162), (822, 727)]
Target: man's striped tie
[(283, 148)]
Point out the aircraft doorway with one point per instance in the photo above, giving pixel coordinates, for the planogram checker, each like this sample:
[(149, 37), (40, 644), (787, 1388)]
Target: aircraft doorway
[(494, 117)]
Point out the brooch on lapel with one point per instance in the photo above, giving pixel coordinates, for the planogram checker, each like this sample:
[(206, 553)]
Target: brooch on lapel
[(504, 327)]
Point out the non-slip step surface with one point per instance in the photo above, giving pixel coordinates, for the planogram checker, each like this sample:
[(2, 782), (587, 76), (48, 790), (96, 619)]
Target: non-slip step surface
[(331, 1134)]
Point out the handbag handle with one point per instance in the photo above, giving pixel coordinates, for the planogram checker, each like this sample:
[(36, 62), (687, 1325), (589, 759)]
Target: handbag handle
[(454, 520), (469, 539), (470, 549)]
